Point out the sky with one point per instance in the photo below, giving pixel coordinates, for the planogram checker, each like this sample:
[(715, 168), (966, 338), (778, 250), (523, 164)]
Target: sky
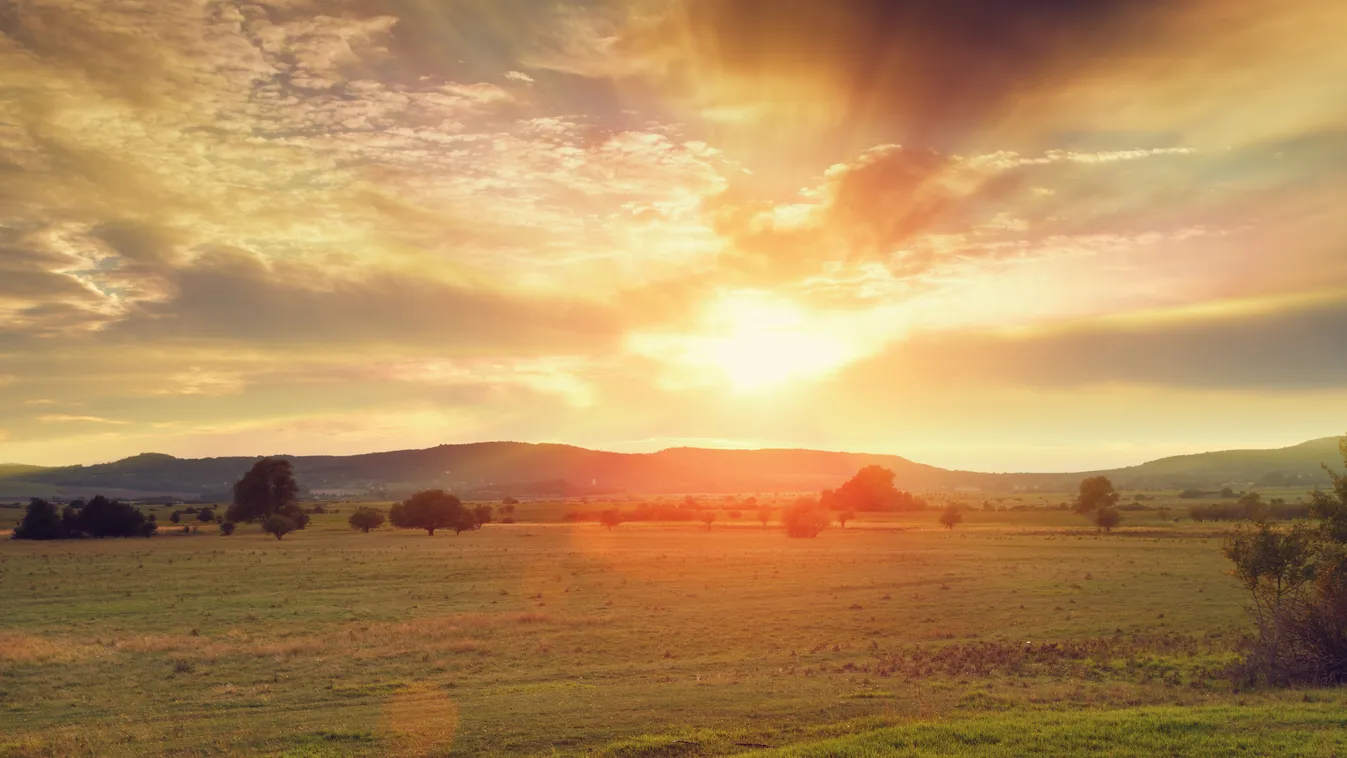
[(1035, 235)]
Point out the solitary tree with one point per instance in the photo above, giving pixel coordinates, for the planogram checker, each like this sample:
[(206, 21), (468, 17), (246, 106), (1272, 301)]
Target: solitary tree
[(267, 489), (431, 510), (951, 517), (175, 516), (844, 516), (708, 517), (1107, 518), (610, 518), (227, 528), (206, 516), (365, 518), (1095, 492)]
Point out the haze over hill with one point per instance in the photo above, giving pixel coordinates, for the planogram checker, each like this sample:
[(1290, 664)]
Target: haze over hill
[(496, 469)]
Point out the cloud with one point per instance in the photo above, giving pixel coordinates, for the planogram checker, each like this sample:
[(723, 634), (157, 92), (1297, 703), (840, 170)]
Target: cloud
[(1276, 345), (60, 418), (519, 76)]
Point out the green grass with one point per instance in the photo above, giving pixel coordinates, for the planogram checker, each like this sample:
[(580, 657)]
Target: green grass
[(647, 640)]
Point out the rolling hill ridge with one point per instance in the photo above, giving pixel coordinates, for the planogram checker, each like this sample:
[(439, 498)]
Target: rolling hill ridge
[(496, 469)]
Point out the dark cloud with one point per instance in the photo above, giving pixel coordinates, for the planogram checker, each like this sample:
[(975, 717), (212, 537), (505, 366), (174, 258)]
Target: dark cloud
[(1292, 349), (232, 295), (932, 69)]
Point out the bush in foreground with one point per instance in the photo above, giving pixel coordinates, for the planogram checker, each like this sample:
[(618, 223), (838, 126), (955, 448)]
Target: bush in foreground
[(1296, 579)]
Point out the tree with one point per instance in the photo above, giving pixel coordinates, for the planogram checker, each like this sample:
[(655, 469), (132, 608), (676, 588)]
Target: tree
[(951, 517), (365, 518), (510, 501), (764, 515), (707, 517), (1107, 518), (40, 522), (844, 516), (206, 516), (610, 518), (278, 525), (804, 519), (431, 510), (175, 516), (871, 489), (1095, 492), (267, 489), (483, 515), (227, 528)]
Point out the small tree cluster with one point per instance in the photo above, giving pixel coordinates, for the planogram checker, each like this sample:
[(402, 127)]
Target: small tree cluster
[(100, 517), (871, 489)]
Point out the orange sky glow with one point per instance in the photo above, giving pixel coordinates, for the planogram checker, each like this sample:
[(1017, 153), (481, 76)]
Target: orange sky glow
[(999, 236)]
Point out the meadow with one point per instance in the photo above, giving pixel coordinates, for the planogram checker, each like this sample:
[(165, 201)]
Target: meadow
[(1019, 632)]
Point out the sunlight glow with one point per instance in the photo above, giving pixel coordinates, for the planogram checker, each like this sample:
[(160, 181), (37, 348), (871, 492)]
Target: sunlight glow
[(757, 342)]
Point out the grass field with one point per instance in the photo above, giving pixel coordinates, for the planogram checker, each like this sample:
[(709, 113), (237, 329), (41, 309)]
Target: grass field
[(1018, 633)]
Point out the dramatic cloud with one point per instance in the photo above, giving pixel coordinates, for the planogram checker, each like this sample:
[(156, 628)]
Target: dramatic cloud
[(346, 224)]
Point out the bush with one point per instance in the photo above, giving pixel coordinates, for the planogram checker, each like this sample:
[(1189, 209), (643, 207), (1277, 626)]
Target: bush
[(804, 519), (278, 526), (610, 518), (951, 517), (1107, 518), (1296, 579), (226, 528), (206, 516)]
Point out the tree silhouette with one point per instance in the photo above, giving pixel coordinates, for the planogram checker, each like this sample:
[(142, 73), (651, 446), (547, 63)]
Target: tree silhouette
[(1095, 492), (871, 489), (431, 510), (267, 489), (365, 519)]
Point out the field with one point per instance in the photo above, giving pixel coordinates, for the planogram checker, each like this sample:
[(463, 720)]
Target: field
[(1020, 632)]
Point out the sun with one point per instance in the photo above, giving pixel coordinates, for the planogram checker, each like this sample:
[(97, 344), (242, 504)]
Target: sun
[(754, 342)]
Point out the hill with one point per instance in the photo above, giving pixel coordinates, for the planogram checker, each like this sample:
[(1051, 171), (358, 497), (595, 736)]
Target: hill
[(496, 469)]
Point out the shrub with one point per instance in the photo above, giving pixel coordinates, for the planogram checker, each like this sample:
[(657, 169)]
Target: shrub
[(206, 516), (951, 517), (278, 526), (804, 519), (227, 528), (1107, 518), (610, 518), (707, 517)]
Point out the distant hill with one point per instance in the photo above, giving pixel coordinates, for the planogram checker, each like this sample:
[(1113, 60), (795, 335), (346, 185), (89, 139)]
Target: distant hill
[(496, 469)]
